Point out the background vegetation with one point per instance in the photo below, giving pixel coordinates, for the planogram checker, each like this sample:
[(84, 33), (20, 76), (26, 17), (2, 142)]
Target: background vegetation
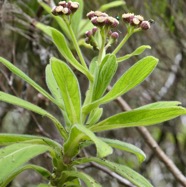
[(28, 49)]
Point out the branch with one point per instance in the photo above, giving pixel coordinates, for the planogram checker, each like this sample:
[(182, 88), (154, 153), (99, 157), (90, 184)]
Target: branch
[(155, 147), (120, 179)]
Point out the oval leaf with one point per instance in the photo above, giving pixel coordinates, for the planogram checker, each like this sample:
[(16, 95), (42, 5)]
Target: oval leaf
[(69, 87)]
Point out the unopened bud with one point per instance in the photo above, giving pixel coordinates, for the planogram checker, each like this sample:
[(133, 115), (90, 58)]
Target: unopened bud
[(73, 6), (63, 4), (145, 25), (135, 21), (113, 22), (91, 14), (58, 10), (66, 11), (128, 17), (99, 13), (114, 35), (101, 21), (94, 30), (140, 18), (94, 20), (88, 33)]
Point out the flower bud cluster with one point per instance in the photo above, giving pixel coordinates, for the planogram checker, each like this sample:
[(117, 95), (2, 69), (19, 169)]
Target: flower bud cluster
[(65, 8), (90, 37), (101, 19), (136, 20)]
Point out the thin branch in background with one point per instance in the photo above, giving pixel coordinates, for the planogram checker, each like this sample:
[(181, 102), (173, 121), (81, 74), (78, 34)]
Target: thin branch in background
[(120, 179), (171, 78), (9, 81), (154, 146)]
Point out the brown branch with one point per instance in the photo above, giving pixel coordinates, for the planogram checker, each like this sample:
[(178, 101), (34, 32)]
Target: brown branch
[(113, 174), (120, 179), (155, 147)]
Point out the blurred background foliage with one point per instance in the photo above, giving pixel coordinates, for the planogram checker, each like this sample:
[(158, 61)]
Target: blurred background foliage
[(29, 49)]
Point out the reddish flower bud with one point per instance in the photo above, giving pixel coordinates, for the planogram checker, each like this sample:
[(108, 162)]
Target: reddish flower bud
[(94, 20), (145, 25), (63, 3), (128, 17), (114, 35), (101, 21), (73, 6), (94, 30), (88, 33), (58, 10), (91, 14)]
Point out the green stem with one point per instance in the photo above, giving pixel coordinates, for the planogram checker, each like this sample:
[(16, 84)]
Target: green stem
[(102, 49), (127, 36), (74, 40)]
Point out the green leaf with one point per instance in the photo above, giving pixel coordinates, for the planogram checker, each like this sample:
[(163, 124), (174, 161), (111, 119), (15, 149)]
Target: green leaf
[(126, 147), (77, 17), (89, 181), (14, 156), (105, 74), (27, 105), (43, 28), (160, 104), (60, 42), (112, 4), (94, 116), (122, 170), (80, 133), (52, 85), (139, 117), (138, 51), (44, 172), (69, 87), (130, 79), (6, 139), (27, 79)]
